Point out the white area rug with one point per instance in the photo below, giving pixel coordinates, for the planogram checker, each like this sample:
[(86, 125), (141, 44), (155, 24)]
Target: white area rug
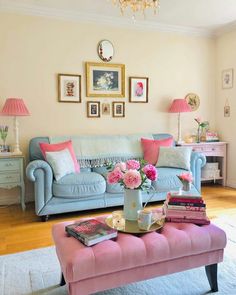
[(38, 272)]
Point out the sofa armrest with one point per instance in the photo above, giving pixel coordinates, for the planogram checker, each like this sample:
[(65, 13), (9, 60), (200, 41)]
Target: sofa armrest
[(41, 174), (198, 160)]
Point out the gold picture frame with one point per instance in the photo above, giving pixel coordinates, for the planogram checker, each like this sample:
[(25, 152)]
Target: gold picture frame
[(106, 80), (69, 88)]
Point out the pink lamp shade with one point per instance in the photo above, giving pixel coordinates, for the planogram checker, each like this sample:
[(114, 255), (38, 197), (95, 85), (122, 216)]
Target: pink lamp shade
[(15, 107), (179, 105)]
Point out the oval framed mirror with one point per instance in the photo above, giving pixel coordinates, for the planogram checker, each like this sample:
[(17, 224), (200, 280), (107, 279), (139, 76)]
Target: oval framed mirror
[(105, 50)]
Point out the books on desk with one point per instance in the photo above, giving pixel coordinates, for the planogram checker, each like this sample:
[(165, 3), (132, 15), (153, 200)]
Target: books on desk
[(185, 207), (91, 231)]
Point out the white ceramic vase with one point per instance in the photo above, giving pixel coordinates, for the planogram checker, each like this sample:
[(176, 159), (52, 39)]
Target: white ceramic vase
[(132, 203)]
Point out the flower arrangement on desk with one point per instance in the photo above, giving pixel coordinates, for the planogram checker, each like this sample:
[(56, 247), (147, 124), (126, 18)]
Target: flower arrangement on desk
[(186, 179), (201, 126), (132, 174), (3, 133)]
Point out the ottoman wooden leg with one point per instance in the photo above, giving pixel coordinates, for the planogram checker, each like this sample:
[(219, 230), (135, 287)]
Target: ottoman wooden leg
[(62, 282), (211, 272)]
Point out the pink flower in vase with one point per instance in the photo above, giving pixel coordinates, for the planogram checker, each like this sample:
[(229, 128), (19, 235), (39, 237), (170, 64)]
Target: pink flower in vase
[(114, 176), (132, 179), (132, 164), (186, 177), (150, 171)]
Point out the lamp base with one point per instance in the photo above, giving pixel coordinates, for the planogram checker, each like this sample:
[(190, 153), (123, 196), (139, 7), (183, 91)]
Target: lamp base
[(179, 142), (17, 151)]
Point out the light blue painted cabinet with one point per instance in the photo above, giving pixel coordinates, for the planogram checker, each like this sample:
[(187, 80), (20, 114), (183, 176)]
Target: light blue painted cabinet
[(12, 175)]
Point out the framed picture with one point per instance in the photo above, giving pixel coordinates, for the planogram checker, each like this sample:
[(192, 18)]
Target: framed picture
[(138, 89), (106, 109), (118, 109), (227, 111), (107, 80), (93, 109), (69, 88), (227, 78), (193, 101)]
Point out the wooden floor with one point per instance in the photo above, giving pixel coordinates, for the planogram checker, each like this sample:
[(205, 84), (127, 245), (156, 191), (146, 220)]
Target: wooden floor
[(21, 231)]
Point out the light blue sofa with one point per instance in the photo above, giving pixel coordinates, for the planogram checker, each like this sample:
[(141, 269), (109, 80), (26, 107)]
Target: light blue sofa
[(89, 189)]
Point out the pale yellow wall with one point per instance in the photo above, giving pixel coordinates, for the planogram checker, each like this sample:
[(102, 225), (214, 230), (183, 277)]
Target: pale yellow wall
[(226, 58), (33, 50)]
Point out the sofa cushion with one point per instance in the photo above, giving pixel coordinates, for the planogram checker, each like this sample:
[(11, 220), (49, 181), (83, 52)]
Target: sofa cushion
[(167, 179), (151, 148), (79, 185), (176, 157)]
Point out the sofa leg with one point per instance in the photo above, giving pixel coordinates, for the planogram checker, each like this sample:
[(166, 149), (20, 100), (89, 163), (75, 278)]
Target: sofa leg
[(62, 282), (44, 218), (211, 272)]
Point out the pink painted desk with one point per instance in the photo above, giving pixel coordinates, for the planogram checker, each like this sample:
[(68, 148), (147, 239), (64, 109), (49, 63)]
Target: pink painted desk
[(109, 264), (217, 150)]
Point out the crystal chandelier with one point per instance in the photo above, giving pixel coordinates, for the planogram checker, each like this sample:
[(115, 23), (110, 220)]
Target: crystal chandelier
[(137, 5)]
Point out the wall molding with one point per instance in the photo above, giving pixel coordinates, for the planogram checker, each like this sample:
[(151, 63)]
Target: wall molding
[(34, 10), (231, 183)]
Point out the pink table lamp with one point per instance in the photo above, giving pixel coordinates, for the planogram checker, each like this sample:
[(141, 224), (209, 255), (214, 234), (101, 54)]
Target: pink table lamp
[(179, 105), (15, 107)]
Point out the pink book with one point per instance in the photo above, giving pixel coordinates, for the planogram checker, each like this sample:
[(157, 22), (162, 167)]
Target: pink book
[(185, 214), (189, 220), (188, 208)]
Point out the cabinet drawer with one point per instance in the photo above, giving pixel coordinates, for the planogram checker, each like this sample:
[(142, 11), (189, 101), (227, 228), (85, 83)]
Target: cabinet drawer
[(9, 178), (9, 164), (210, 150)]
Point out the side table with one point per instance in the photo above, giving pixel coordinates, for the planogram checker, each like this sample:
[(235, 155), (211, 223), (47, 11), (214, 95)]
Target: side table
[(217, 150), (12, 174)]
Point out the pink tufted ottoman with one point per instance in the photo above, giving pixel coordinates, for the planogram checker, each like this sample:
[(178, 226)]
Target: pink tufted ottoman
[(180, 246)]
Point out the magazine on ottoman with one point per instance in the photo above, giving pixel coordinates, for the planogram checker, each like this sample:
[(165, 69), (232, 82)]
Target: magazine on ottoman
[(91, 231)]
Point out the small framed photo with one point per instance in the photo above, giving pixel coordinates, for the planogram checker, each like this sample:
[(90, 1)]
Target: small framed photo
[(227, 78), (106, 110), (93, 109), (138, 89), (118, 109), (69, 88), (227, 111), (107, 80)]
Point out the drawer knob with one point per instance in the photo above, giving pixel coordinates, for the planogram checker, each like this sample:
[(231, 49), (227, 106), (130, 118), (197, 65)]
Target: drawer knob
[(213, 149), (8, 164)]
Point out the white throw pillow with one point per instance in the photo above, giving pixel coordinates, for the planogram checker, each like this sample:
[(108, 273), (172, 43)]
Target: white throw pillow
[(61, 163), (176, 157)]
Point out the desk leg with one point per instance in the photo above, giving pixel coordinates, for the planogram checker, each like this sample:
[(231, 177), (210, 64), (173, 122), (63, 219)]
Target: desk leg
[(22, 196)]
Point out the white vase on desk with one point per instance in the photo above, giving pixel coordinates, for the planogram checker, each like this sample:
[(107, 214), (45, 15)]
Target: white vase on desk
[(132, 203)]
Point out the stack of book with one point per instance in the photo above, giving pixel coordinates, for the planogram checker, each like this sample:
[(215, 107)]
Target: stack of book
[(185, 207), (91, 231)]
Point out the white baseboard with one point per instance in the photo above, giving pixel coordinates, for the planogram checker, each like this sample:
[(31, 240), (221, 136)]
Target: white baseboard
[(231, 183)]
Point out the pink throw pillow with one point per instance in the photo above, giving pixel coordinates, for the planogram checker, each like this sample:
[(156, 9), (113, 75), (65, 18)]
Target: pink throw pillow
[(56, 147), (151, 148)]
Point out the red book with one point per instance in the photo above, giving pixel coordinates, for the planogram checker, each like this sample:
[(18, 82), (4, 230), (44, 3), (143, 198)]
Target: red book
[(186, 200), (91, 231)]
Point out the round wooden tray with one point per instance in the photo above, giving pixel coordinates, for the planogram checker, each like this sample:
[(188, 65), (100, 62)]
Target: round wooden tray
[(128, 226)]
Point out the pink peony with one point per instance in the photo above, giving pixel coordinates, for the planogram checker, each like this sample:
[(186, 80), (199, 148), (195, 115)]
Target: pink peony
[(186, 177), (150, 171), (132, 164), (114, 176), (132, 179), (121, 165)]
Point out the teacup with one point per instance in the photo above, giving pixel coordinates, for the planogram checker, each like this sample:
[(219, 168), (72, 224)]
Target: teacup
[(147, 217)]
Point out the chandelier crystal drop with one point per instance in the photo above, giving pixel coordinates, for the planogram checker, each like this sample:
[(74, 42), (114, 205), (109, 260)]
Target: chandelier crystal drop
[(137, 5)]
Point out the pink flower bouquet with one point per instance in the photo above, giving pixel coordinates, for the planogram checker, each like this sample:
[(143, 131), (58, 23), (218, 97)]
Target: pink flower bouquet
[(132, 174)]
